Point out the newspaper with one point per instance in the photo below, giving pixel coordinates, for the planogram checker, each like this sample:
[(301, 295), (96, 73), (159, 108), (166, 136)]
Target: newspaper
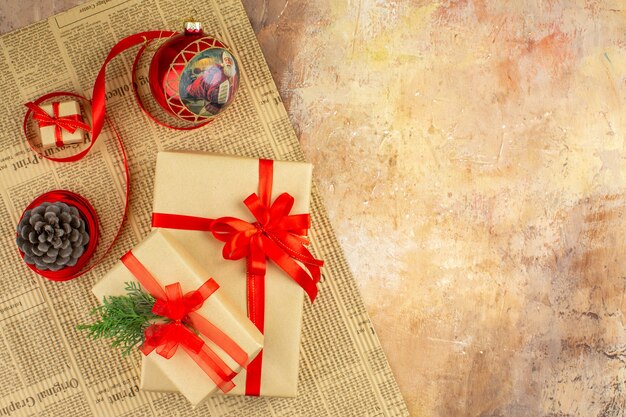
[(47, 367)]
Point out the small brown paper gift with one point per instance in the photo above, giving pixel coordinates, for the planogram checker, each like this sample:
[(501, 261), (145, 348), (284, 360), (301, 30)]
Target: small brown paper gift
[(52, 135)]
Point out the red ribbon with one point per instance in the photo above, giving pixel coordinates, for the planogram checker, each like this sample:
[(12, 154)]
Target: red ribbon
[(166, 338), (87, 211), (98, 117), (98, 100), (69, 123), (276, 235)]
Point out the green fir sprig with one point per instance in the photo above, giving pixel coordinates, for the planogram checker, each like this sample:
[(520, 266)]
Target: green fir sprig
[(123, 319)]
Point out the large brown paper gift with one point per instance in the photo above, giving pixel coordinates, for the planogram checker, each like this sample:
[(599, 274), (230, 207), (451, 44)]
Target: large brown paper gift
[(48, 133), (164, 258), (211, 186)]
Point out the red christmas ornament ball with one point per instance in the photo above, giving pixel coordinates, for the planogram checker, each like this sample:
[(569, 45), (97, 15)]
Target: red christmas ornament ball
[(194, 76)]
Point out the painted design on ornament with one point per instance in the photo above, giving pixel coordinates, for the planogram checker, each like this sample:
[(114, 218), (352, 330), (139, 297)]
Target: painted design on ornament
[(209, 82)]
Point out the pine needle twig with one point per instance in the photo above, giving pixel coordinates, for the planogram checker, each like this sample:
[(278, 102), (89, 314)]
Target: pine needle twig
[(123, 319)]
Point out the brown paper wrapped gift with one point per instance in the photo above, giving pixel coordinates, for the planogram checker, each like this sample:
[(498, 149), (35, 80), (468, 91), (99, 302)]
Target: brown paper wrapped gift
[(169, 263), (48, 134), (212, 186)]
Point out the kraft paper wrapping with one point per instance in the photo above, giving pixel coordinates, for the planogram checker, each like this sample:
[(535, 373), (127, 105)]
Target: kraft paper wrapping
[(213, 186), (169, 263), (66, 108)]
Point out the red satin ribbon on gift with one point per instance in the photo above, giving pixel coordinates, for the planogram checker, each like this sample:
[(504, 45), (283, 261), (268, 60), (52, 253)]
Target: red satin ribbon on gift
[(276, 235), (69, 123), (166, 338)]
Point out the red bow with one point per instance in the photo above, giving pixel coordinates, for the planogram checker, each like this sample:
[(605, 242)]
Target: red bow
[(69, 123), (276, 235), (165, 338)]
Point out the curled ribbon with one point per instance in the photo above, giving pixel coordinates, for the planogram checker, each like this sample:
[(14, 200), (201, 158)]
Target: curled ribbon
[(98, 117), (69, 123), (276, 235), (166, 338)]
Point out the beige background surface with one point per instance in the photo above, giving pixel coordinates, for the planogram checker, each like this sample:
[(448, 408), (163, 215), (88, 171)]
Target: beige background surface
[(471, 155)]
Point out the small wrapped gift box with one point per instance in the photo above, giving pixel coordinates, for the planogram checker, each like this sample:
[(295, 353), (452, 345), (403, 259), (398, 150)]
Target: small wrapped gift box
[(265, 273), (168, 263), (63, 126)]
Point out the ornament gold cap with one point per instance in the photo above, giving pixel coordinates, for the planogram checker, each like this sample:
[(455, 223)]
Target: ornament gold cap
[(192, 27)]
